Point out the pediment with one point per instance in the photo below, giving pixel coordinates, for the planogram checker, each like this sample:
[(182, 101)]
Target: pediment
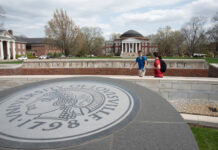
[(131, 40), (6, 35)]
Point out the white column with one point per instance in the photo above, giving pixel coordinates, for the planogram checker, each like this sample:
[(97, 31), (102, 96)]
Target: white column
[(132, 47), (1, 50), (140, 47), (136, 47), (8, 50), (129, 47), (14, 51), (126, 47), (121, 47)]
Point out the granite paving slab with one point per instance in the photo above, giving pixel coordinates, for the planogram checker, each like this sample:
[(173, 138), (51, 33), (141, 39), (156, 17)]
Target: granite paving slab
[(92, 113)]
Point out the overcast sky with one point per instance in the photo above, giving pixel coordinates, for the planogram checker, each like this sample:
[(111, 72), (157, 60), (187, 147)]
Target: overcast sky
[(28, 17)]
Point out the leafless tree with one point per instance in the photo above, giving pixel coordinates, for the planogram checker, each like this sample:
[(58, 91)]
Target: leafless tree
[(163, 38), (2, 16), (93, 40), (114, 36), (213, 33), (194, 34), (178, 43), (61, 31)]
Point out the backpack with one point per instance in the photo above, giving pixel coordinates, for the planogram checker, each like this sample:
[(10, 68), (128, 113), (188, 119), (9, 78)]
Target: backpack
[(145, 60), (163, 66)]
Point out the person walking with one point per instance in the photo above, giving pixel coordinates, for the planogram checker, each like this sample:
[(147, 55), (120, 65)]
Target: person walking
[(157, 65), (142, 64)]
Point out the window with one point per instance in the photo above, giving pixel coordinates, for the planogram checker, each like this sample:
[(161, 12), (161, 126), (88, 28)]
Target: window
[(18, 46), (23, 46), (23, 52), (19, 53)]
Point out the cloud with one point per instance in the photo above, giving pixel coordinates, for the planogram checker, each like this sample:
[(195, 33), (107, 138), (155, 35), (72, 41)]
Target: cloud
[(92, 22), (180, 14), (154, 16), (203, 7), (30, 16)]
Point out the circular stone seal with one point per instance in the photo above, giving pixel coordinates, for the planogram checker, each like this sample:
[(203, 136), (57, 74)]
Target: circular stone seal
[(65, 111)]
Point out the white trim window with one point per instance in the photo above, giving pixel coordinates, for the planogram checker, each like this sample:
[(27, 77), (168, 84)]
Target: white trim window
[(23, 46), (18, 45)]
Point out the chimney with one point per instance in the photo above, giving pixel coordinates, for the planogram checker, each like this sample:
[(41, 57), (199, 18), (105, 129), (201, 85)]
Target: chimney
[(10, 31)]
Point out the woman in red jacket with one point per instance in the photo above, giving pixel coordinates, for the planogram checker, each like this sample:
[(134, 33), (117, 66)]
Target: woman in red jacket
[(157, 66)]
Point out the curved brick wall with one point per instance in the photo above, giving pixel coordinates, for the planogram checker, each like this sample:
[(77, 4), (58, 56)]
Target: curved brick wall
[(186, 67), (213, 70), (100, 71)]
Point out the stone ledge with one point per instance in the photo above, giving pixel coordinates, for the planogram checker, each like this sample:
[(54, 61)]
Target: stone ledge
[(112, 63), (9, 66), (106, 60), (201, 120)]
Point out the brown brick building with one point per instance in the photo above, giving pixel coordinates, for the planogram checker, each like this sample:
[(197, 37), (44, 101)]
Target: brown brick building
[(38, 47)]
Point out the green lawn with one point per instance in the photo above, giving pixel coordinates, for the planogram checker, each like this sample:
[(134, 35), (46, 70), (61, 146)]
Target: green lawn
[(212, 60), (209, 60), (207, 138), (95, 57), (183, 58), (12, 62)]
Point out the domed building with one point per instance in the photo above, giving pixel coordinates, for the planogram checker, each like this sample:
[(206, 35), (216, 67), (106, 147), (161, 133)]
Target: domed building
[(128, 45)]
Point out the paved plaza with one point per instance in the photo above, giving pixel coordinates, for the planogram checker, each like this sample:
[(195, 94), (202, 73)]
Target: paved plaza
[(90, 113)]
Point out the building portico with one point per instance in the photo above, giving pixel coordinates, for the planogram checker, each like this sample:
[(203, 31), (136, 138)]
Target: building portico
[(7, 46), (128, 45)]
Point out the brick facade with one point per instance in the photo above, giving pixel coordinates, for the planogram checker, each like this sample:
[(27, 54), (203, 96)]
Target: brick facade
[(43, 49), (20, 48)]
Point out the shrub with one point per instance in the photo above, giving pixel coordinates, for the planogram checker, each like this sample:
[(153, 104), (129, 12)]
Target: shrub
[(17, 56), (30, 56), (55, 55), (59, 54), (149, 54), (49, 54)]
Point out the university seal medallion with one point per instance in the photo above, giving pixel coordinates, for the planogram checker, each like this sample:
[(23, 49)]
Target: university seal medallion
[(66, 110)]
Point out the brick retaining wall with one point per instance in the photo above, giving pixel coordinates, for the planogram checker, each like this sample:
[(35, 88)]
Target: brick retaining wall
[(213, 70), (100, 71)]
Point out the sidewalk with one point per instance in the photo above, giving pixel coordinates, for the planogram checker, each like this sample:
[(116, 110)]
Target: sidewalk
[(201, 120)]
